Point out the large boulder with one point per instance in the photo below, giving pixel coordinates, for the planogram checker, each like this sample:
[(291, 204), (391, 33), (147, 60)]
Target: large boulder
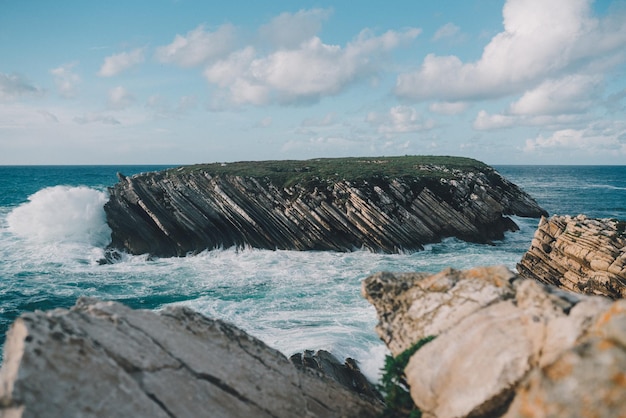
[(579, 254), (505, 346), (104, 359), (383, 204)]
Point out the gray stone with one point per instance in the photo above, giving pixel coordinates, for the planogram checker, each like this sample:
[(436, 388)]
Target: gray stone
[(104, 359), (347, 374)]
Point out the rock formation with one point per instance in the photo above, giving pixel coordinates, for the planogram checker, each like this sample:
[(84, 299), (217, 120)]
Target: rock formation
[(348, 373), (505, 346), (300, 206), (579, 254), (104, 359)]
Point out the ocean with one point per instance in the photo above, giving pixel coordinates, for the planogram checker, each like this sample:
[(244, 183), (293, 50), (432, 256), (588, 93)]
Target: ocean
[(53, 232)]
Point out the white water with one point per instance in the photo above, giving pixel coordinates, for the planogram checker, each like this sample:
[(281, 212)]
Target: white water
[(291, 300), (62, 214)]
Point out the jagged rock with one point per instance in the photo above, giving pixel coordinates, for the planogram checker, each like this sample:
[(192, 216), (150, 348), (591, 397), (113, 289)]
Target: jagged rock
[(104, 359), (505, 346), (190, 209), (348, 374), (579, 254), (412, 306)]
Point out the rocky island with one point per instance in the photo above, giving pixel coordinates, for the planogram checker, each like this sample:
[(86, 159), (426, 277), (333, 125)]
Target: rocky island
[(549, 340), (387, 204)]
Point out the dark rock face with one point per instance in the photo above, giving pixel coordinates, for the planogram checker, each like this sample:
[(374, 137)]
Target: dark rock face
[(177, 212), (102, 359), (348, 373)]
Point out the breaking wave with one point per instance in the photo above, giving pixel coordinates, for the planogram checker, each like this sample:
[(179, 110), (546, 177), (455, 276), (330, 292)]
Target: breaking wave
[(62, 214)]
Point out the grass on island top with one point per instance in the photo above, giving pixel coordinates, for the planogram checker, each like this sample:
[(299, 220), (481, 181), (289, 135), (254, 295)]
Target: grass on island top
[(289, 172)]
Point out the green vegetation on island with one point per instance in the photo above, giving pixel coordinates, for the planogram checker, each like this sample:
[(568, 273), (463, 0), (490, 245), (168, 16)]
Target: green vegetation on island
[(289, 172)]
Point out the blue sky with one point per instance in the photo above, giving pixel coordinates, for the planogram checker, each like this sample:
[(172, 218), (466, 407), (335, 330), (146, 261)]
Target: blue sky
[(186, 81)]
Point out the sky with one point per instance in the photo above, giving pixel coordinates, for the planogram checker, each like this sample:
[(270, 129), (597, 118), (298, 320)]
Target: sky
[(190, 81)]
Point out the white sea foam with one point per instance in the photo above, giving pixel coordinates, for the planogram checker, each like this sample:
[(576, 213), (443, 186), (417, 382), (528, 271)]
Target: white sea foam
[(62, 214)]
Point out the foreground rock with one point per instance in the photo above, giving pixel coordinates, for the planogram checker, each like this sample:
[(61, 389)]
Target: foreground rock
[(579, 254), (348, 373), (505, 346), (104, 359), (387, 204)]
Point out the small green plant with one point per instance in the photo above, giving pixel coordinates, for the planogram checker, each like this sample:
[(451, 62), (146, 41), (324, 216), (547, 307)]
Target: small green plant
[(398, 402)]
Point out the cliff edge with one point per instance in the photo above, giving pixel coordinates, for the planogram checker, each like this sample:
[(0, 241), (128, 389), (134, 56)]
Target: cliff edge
[(388, 204)]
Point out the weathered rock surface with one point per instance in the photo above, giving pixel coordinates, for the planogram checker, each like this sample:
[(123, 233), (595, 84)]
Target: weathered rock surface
[(505, 346), (104, 359), (579, 254), (348, 374), (175, 212)]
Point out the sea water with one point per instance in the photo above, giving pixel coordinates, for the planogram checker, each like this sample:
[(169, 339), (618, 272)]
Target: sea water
[(53, 232)]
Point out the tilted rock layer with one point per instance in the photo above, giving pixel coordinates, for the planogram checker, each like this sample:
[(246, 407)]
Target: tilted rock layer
[(176, 212), (579, 254), (505, 346), (102, 359)]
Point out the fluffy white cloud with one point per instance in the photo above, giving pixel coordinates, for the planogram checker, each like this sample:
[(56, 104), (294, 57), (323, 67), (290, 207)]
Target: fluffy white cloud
[(117, 63), (198, 46), (448, 108), (449, 30), (66, 79), (570, 94), (226, 72), (399, 119), (604, 138), (13, 86), (307, 73), (540, 39), (289, 30), (554, 102), (485, 121), (120, 98)]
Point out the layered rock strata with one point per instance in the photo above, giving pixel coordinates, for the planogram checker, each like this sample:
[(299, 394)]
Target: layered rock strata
[(579, 254), (505, 346), (175, 212), (104, 359)]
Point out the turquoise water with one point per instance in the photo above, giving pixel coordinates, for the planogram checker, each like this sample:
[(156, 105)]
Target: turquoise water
[(53, 230)]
